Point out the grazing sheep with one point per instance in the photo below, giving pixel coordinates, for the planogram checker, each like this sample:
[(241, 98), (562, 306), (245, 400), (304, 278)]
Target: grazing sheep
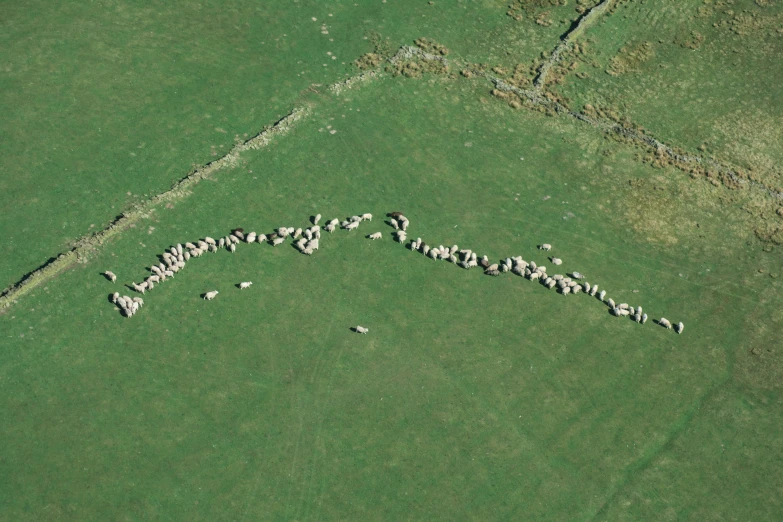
[(556, 261), (110, 276), (375, 235), (245, 284), (644, 318), (361, 329), (278, 241), (366, 217), (251, 237), (679, 327), (316, 219), (211, 295)]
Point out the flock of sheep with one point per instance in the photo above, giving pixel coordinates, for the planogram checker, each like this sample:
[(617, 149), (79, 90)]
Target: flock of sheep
[(306, 241)]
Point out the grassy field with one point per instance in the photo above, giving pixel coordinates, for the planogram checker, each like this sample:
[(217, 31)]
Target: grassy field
[(472, 397)]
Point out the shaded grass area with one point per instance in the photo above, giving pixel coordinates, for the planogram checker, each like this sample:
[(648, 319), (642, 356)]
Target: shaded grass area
[(696, 74), (104, 104), (472, 397)]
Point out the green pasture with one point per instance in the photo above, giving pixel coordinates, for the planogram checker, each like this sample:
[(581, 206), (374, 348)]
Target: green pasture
[(695, 74), (471, 398), (107, 103)]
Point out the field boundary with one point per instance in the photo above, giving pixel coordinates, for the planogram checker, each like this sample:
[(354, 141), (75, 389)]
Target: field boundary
[(81, 251)]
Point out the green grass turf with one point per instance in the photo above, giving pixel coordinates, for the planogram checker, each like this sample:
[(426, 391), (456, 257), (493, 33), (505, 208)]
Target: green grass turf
[(106, 103), (471, 397), (705, 81)]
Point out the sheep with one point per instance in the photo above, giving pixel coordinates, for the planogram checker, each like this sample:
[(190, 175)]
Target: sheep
[(545, 246), (278, 241), (602, 295), (251, 237), (364, 217), (110, 276), (374, 236), (245, 284), (316, 219), (211, 295), (361, 329), (665, 323), (556, 261), (679, 327)]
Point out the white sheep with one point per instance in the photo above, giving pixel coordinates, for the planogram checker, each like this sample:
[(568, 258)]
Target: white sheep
[(211, 295), (245, 284)]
